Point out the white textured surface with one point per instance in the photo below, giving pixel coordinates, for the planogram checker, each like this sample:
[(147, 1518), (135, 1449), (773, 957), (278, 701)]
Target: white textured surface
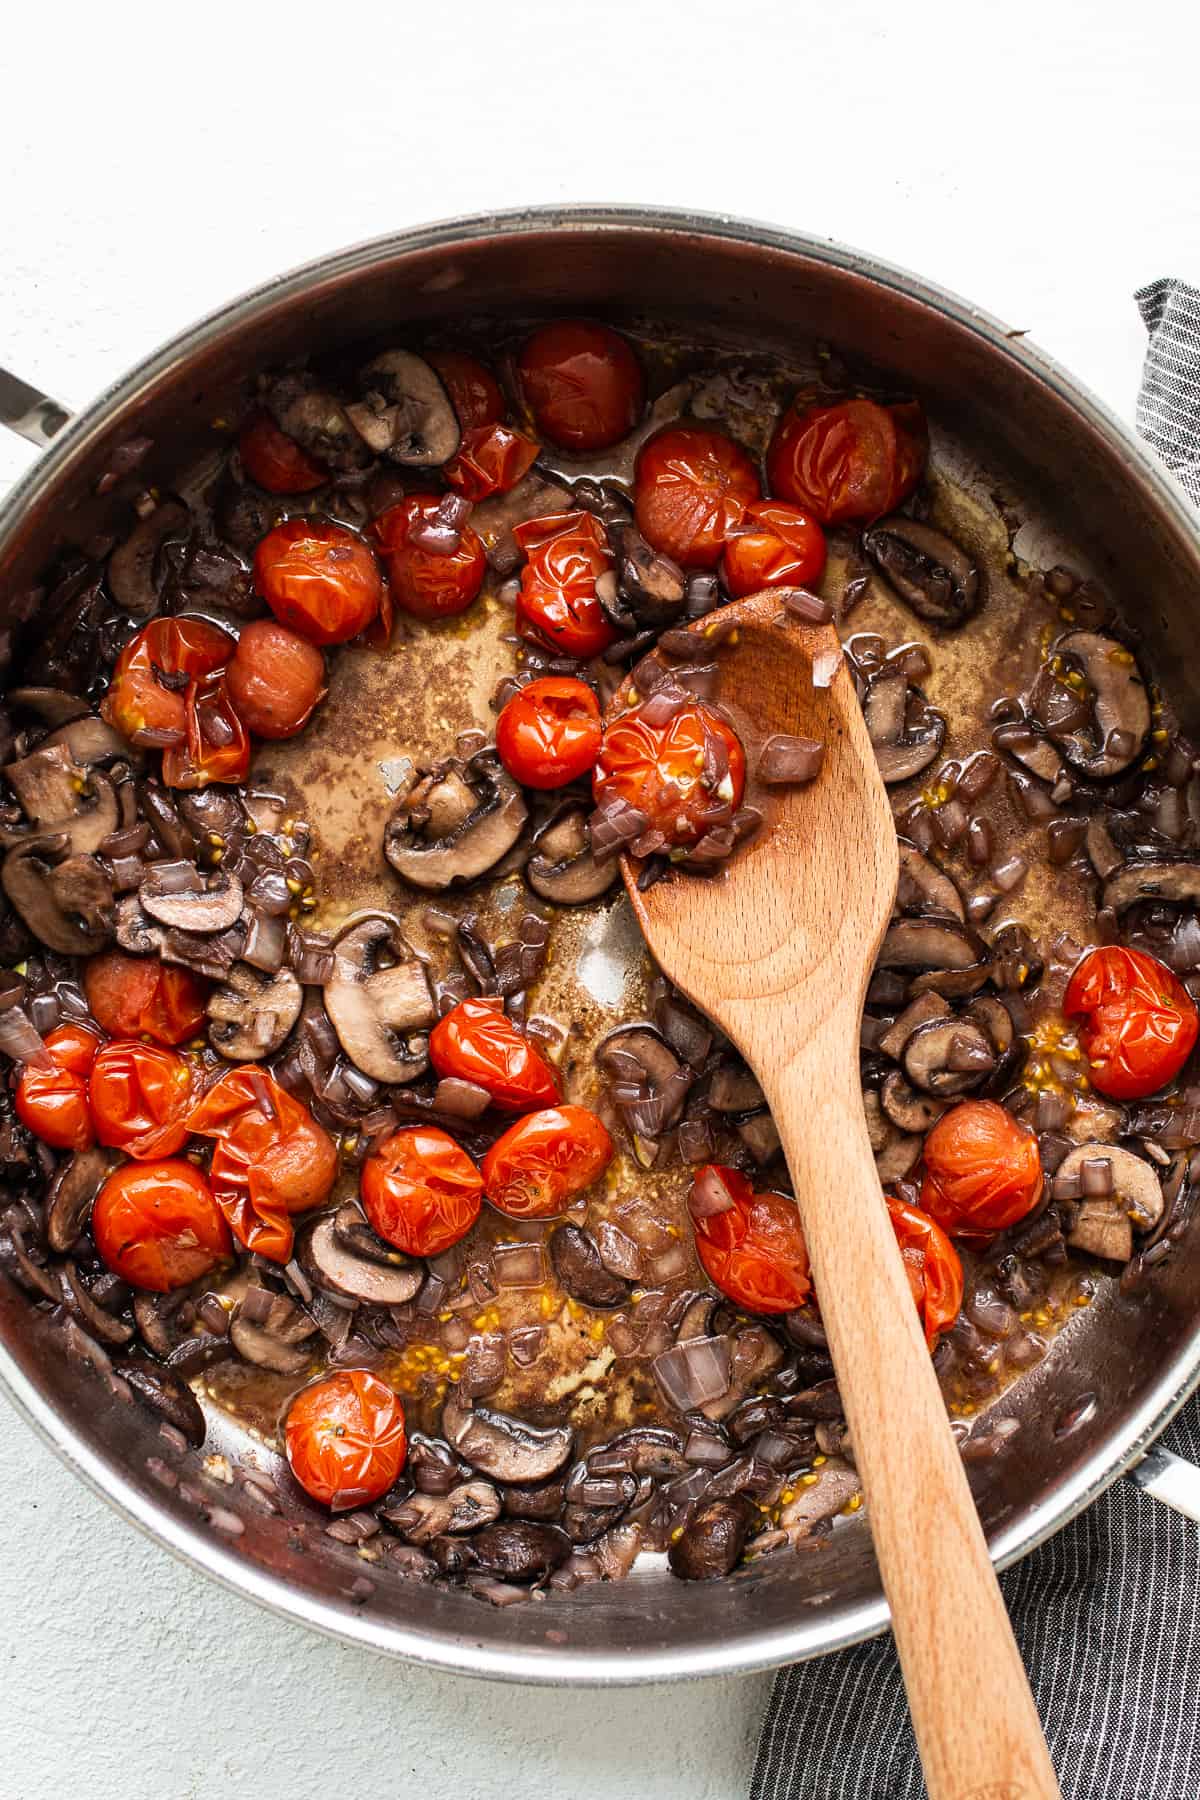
[(1040, 157)]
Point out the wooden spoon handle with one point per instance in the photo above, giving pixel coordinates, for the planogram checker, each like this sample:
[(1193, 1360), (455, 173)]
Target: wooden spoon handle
[(976, 1724)]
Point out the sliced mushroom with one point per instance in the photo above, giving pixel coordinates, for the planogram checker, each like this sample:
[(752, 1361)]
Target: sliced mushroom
[(1120, 706), (576, 1259), (318, 422), (1037, 754), (1102, 1228), (562, 868), (907, 732), (505, 1448), (925, 888), (58, 795), (908, 1110), (423, 1517), (929, 571), (69, 1201), (250, 1014), (166, 1394), (355, 1235), (1136, 1199), (212, 906), (101, 1323), (897, 1159), (815, 1506), (89, 740), (921, 1011), (948, 1056), (82, 889), (326, 1259), (136, 931), (405, 396), (755, 1355), (652, 587), (734, 1089), (377, 998), (273, 1334), (493, 519), (54, 706), (519, 1550), (928, 944), (455, 823), (46, 888), (131, 565), (1176, 883), (878, 1131), (712, 1540)]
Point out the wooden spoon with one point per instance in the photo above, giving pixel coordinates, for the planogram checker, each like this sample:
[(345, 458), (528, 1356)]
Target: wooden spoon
[(777, 948)]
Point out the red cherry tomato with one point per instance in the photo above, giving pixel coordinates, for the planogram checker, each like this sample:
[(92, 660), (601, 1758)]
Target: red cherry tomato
[(557, 604), (549, 733), (276, 679), (420, 1191), (477, 1041), (270, 1159), (855, 460), (541, 1161), (584, 384), (754, 1249), (53, 1103), (275, 461), (490, 460), (932, 1265), (775, 546), (216, 745), (318, 578), (134, 996), (140, 1096), (157, 1226), (428, 584), (691, 487), (345, 1439), (1139, 1020), (982, 1170), (137, 701), (474, 391), (682, 775)]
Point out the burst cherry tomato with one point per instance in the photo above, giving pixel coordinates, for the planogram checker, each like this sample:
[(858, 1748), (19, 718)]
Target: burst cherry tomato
[(549, 733), (345, 1439), (852, 461), (775, 546), (54, 1102), (584, 384), (540, 1162), (557, 604), (275, 461), (318, 578), (754, 1249), (490, 460), (681, 775), (157, 1226), (420, 1191), (275, 679), (216, 744), (932, 1265), (429, 584), (474, 391), (135, 996), (270, 1159), (138, 702), (140, 1096), (477, 1041), (691, 487), (982, 1170), (1140, 1021)]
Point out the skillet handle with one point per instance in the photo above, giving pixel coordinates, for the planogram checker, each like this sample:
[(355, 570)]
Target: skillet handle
[(27, 411), (1171, 1479)]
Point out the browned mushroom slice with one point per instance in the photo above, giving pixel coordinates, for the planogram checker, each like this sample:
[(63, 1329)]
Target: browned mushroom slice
[(1037, 754), (711, 1540), (878, 1133), (136, 930), (66, 901), (948, 1056), (318, 422), (908, 1110), (507, 1449), (1118, 720), (58, 795), (101, 1323), (897, 1158), (250, 1013), (212, 905), (652, 587), (928, 944), (131, 567), (455, 822), (69, 1201), (924, 887), (270, 1331), (422, 1517), (906, 732), (816, 1506), (562, 867), (378, 1000), (407, 414), (90, 740), (328, 1261), (929, 571), (493, 519), (1105, 1221), (919, 1012), (54, 706), (1176, 883), (164, 1393)]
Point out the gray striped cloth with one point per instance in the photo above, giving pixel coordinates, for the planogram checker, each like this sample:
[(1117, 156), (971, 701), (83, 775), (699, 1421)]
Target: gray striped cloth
[(1107, 1614)]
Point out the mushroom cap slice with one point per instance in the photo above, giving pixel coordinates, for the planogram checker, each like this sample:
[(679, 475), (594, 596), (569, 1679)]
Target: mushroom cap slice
[(1175, 882), (211, 906), (69, 1201), (318, 422), (1137, 1193), (165, 1393), (948, 1056), (908, 1110), (59, 795), (929, 571), (928, 944), (906, 732), (46, 887), (422, 426), (90, 739), (1120, 706), (562, 867), (53, 705), (136, 930), (505, 1448), (376, 1008), (924, 887), (250, 1014), (131, 565), (331, 1264), (455, 822), (897, 1157)]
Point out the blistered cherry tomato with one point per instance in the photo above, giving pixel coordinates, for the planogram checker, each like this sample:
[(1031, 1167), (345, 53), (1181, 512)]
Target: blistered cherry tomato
[(138, 702), (157, 1226), (275, 461), (691, 487), (583, 382), (428, 584), (345, 1439), (275, 679), (54, 1102), (490, 460), (679, 774), (855, 460), (549, 732), (136, 996), (775, 546), (477, 1041), (753, 1249), (982, 1170), (474, 391), (540, 1162), (932, 1265), (216, 744), (1139, 1020), (420, 1191), (270, 1158), (557, 604), (140, 1096), (319, 578)]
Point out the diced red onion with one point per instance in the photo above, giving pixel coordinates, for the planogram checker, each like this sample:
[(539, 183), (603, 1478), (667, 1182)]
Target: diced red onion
[(266, 941), (151, 737), (20, 1040), (614, 824), (1010, 873), (693, 1373), (618, 1252), (825, 666), (950, 823), (44, 1013), (664, 704), (519, 1266), (525, 1345), (807, 606), (786, 758), (175, 877), (706, 1451), (709, 1195), (461, 1099), (1095, 1177)]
